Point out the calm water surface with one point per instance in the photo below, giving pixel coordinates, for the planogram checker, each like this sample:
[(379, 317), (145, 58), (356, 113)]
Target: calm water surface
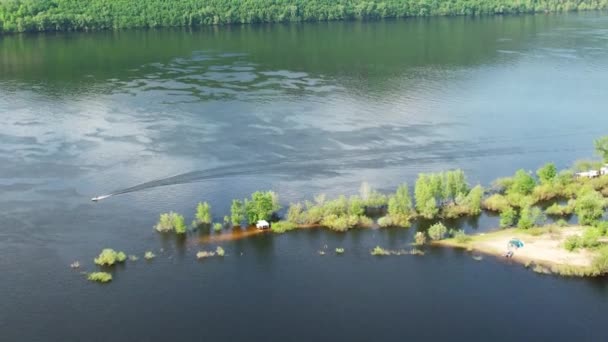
[(176, 117)]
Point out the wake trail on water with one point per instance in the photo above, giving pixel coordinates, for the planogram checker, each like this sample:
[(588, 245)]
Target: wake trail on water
[(330, 166)]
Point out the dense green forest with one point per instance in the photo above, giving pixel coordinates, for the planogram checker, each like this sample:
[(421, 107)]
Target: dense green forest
[(61, 15)]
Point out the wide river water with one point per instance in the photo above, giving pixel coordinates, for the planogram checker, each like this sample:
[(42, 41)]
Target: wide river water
[(181, 116)]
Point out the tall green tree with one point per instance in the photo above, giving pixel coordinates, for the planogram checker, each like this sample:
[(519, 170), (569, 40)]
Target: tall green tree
[(426, 204), (237, 212)]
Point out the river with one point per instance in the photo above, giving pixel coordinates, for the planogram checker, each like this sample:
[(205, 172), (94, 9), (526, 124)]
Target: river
[(180, 116)]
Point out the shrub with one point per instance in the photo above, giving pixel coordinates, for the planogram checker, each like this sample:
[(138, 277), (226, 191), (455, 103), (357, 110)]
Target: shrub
[(365, 221), (220, 251), (437, 231), (599, 263), (100, 277), (379, 251), (237, 212), (508, 217), (203, 213), (204, 254), (217, 227), (109, 257), (572, 242), (282, 226), (171, 222), (149, 255), (529, 217), (523, 183), (385, 221), (295, 213), (420, 239), (547, 173), (339, 250), (400, 205), (461, 237), (589, 207), (497, 203), (590, 237), (340, 223), (561, 223), (560, 210)]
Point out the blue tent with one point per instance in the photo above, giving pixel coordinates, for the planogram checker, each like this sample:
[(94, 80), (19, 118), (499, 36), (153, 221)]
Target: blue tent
[(517, 243)]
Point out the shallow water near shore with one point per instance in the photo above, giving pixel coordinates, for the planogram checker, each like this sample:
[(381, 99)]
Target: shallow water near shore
[(167, 118)]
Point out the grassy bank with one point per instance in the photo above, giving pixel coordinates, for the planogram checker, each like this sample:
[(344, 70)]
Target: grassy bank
[(544, 249), (71, 15)]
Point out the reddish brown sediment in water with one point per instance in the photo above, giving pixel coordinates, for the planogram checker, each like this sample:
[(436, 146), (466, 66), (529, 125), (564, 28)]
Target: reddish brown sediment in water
[(235, 234), (239, 234)]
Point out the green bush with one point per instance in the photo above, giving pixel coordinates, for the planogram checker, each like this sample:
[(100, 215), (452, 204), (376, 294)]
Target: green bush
[(437, 231), (561, 223), (508, 217), (203, 213), (171, 222), (237, 212), (572, 242), (497, 203), (339, 250), (100, 277), (149, 255), (109, 257), (600, 262), (529, 217), (217, 227), (523, 183), (282, 226), (561, 210), (420, 238), (589, 207), (461, 237), (385, 221), (219, 251), (379, 251)]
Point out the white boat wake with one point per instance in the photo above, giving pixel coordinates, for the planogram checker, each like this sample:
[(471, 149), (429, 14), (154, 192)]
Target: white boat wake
[(99, 198)]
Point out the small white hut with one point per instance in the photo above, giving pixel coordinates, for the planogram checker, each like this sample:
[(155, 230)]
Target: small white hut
[(262, 224)]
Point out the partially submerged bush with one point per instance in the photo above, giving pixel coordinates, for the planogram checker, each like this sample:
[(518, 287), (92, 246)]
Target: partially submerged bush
[(508, 217), (497, 203), (530, 217), (217, 227), (204, 254), (589, 207), (171, 222), (437, 231), (420, 238), (203, 213), (133, 257), (109, 257), (379, 251), (339, 250), (100, 277), (561, 210), (220, 251), (149, 255), (282, 226)]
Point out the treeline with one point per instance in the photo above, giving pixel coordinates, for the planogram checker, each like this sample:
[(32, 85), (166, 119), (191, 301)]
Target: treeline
[(73, 15)]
